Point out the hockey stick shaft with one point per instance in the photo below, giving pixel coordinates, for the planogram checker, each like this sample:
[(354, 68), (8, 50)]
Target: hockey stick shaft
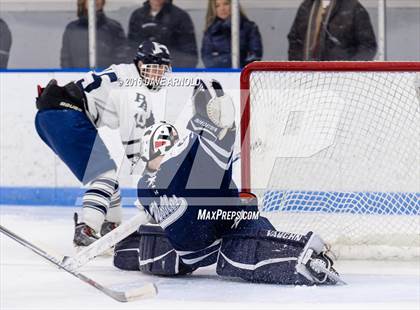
[(147, 290), (106, 242)]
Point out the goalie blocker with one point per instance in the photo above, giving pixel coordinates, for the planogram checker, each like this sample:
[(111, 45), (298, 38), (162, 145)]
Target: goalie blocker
[(253, 251)]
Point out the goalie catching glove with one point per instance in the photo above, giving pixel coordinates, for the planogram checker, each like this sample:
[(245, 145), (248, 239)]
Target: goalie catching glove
[(214, 111)]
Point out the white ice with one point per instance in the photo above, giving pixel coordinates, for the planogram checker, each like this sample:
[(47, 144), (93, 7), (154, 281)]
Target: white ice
[(29, 282)]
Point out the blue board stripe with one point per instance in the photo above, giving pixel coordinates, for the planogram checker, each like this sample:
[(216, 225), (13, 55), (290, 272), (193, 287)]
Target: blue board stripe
[(290, 201), (52, 196)]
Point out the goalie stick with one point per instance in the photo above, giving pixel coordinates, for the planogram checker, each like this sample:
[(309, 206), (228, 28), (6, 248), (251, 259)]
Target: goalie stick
[(106, 242), (147, 290)]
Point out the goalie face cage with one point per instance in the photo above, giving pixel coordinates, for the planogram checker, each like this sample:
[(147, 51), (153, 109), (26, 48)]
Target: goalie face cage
[(333, 147)]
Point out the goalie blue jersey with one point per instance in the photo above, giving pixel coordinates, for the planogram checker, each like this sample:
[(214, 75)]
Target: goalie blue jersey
[(193, 182), (194, 199)]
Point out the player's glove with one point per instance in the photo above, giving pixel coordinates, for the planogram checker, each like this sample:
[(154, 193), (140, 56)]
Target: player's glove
[(69, 97)]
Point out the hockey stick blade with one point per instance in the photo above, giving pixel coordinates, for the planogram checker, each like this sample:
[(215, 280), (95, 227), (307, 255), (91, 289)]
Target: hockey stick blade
[(146, 291), (106, 242)]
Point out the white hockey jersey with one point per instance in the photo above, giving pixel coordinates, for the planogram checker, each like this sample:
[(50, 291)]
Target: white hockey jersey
[(117, 99)]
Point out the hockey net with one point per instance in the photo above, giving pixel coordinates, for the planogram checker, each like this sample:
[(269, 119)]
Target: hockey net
[(335, 148)]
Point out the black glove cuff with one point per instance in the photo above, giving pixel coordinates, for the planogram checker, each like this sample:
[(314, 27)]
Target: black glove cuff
[(69, 97)]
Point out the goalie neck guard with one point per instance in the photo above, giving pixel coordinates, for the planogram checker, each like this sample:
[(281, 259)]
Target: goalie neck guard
[(157, 140)]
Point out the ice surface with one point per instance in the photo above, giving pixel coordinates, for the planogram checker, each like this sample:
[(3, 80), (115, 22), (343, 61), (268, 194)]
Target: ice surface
[(29, 282)]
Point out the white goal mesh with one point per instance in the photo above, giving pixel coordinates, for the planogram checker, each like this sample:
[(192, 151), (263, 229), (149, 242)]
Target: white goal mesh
[(338, 153)]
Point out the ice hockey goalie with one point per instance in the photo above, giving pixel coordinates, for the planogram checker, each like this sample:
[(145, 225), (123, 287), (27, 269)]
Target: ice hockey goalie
[(201, 217)]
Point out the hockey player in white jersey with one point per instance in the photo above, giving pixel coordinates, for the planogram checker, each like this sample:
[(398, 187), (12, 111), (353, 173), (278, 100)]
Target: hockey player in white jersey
[(121, 96)]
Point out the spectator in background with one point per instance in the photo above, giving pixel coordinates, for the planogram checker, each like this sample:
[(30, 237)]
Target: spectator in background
[(163, 22), (110, 39), (5, 44), (332, 30), (216, 47)]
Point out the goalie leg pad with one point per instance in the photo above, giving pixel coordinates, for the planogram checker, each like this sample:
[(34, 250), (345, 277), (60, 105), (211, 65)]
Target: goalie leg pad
[(265, 256), (156, 254), (149, 251), (126, 253)]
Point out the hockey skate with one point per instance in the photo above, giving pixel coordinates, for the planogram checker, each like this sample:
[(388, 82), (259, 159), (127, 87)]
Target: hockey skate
[(107, 227), (321, 269), (83, 234)]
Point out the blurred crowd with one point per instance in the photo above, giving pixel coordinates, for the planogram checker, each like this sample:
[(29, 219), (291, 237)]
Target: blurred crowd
[(323, 30)]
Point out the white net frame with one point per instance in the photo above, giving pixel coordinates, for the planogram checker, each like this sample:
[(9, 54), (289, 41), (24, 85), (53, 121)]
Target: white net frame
[(334, 148)]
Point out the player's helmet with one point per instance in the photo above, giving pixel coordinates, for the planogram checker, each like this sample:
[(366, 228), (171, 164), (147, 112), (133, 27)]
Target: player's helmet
[(155, 63), (157, 140)]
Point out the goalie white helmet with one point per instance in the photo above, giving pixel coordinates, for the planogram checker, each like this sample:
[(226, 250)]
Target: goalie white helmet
[(157, 140)]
